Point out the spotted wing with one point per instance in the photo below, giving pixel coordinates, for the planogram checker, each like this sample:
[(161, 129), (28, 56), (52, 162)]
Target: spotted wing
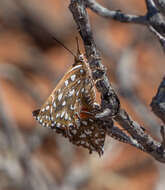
[(90, 134), (63, 106), (63, 109)]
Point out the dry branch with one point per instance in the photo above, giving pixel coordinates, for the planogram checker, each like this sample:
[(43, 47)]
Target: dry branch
[(116, 15), (109, 101)]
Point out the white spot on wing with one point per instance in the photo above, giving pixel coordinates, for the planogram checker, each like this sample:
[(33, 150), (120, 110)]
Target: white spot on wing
[(96, 135), (62, 115), (97, 141), (73, 77), (57, 115), (47, 107), (78, 123), (81, 71), (58, 125), (54, 104), (66, 116), (85, 123), (77, 93), (83, 136), (71, 107), (53, 124), (64, 103), (70, 124), (88, 132), (71, 92), (82, 90), (91, 120), (60, 96), (43, 109), (66, 83), (78, 82)]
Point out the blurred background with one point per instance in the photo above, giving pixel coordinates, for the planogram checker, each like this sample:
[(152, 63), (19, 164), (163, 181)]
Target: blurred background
[(32, 63)]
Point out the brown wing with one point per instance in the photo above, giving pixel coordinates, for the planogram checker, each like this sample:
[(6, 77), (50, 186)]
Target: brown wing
[(90, 134), (62, 110)]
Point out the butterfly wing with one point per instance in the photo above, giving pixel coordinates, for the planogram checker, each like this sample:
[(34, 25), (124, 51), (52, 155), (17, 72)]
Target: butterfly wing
[(61, 104), (89, 135), (63, 109)]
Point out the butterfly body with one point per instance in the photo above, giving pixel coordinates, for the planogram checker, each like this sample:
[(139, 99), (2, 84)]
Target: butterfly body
[(71, 107)]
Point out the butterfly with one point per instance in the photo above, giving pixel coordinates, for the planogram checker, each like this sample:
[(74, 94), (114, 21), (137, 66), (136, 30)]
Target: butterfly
[(71, 108)]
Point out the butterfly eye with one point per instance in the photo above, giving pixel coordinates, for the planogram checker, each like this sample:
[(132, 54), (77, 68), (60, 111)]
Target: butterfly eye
[(70, 109)]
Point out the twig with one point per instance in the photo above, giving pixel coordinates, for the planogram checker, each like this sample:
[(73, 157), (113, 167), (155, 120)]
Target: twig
[(150, 5), (150, 145), (116, 15), (158, 102), (160, 4), (119, 135), (159, 36), (153, 18), (156, 21), (162, 131)]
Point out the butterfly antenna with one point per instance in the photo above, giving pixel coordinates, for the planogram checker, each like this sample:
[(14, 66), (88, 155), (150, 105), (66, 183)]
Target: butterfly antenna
[(64, 46), (78, 47)]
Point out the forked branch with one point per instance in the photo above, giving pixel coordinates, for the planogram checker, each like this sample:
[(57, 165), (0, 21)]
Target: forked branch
[(109, 101)]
